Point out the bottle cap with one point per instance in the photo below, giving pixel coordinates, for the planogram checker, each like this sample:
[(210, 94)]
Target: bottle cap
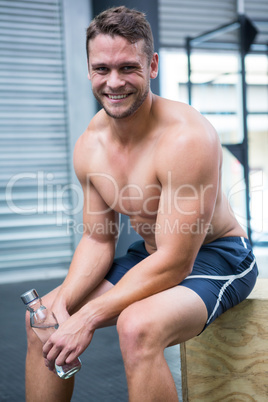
[(29, 296)]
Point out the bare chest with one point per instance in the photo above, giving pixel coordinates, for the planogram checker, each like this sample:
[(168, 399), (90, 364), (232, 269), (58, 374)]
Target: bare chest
[(129, 188)]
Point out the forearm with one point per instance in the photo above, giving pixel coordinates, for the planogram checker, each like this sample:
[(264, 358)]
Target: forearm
[(90, 263), (152, 275)]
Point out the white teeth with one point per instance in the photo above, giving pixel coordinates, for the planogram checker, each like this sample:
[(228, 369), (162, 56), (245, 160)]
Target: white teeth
[(117, 96)]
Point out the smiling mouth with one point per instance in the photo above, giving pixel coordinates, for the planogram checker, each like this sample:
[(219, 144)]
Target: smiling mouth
[(117, 97)]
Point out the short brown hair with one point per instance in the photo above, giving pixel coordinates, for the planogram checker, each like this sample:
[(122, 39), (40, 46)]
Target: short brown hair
[(130, 24)]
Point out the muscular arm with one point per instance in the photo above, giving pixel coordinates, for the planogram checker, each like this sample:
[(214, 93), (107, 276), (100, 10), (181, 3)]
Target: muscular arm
[(95, 251)]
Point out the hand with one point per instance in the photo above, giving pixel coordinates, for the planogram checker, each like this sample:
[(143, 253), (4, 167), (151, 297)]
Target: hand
[(67, 343), (61, 314), (60, 311)]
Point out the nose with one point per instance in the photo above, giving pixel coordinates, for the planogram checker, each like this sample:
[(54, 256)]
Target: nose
[(115, 80)]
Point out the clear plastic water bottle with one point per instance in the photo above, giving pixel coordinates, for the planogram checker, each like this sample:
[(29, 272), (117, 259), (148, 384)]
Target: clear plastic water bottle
[(44, 323)]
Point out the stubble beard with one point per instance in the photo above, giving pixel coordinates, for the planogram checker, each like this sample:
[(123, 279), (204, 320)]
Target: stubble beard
[(130, 111)]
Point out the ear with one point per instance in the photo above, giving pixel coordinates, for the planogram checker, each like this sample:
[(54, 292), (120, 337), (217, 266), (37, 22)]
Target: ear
[(154, 66), (88, 71)]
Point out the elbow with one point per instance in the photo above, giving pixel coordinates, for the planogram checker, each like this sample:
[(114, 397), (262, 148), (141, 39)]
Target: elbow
[(177, 269), (182, 270)]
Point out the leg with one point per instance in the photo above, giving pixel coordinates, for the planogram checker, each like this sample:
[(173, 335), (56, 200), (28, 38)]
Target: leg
[(146, 328), (41, 384)]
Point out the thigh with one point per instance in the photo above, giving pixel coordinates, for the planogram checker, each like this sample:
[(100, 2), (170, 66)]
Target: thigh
[(121, 265), (219, 281), (49, 298), (172, 316)]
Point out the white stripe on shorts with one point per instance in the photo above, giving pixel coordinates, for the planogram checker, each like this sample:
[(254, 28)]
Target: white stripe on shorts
[(243, 241), (228, 278)]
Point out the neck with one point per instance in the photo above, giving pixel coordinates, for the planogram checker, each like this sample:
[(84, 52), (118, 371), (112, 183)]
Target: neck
[(134, 128)]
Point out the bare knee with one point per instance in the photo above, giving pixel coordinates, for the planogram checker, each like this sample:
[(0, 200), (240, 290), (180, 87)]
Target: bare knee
[(33, 342), (138, 336)]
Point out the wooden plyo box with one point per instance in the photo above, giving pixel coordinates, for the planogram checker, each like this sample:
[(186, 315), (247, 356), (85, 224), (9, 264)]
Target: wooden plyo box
[(228, 362)]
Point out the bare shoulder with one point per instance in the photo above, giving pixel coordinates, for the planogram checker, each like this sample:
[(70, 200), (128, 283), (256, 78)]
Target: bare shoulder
[(189, 142), (88, 146), (185, 125)]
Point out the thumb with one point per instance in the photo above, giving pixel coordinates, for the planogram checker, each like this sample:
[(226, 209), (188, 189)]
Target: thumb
[(61, 315)]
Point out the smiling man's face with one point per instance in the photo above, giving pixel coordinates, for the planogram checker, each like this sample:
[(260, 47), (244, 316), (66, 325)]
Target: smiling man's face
[(120, 74)]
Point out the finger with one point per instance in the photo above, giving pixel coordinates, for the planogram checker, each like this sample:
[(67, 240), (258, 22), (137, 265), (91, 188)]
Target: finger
[(50, 355), (62, 356), (50, 365), (72, 356), (47, 347)]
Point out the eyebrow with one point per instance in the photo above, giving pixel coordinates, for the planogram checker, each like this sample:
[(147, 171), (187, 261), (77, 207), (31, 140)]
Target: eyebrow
[(125, 63)]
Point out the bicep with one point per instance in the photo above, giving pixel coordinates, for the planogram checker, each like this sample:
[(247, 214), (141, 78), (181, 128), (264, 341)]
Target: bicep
[(186, 207), (99, 220)]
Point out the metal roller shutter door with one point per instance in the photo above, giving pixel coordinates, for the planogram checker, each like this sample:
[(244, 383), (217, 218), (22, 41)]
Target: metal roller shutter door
[(34, 154), (181, 18)]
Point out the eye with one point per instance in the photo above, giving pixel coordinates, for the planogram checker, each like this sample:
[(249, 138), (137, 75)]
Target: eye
[(128, 69), (101, 70)]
